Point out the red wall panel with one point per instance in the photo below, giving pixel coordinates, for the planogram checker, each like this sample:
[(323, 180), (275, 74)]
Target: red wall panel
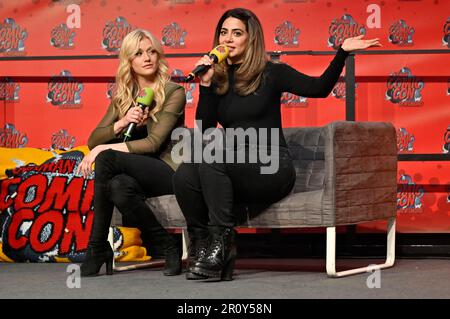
[(28, 28)]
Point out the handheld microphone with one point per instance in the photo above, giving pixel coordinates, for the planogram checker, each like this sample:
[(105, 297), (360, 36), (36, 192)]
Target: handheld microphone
[(144, 99), (218, 54)]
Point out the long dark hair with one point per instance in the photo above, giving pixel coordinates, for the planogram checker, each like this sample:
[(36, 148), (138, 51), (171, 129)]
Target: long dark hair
[(249, 74)]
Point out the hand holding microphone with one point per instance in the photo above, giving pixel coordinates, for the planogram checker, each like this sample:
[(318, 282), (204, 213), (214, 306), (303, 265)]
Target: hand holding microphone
[(216, 55), (144, 100)]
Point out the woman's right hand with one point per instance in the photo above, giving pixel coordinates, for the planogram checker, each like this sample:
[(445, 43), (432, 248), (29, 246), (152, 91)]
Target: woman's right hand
[(205, 78), (85, 167)]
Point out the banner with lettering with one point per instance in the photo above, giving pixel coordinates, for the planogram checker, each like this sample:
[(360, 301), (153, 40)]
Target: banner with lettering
[(58, 62), (46, 210)]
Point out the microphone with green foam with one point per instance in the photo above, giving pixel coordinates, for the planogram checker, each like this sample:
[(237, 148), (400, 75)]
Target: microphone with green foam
[(144, 99)]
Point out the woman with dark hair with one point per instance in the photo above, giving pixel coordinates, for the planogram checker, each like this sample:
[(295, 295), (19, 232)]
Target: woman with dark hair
[(243, 92), (126, 173)]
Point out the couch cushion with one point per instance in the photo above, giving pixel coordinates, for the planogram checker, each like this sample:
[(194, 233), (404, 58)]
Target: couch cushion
[(306, 146), (296, 210)]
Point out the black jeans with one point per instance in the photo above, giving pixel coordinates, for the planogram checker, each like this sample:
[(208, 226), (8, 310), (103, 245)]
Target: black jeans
[(125, 180), (217, 194)]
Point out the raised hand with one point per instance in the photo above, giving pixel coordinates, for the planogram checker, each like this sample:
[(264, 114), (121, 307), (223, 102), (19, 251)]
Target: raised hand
[(205, 79), (358, 43)]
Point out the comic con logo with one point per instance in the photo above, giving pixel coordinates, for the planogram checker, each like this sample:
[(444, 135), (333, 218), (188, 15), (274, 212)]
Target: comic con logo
[(404, 88), (114, 32), (287, 35), (409, 195), (405, 140), (110, 89), (446, 145), (12, 37), (446, 37), (48, 210), (174, 36), (343, 28), (64, 91), (61, 140), (182, 1), (9, 91), (62, 37), (190, 89), (178, 76), (10, 137), (400, 33), (291, 100), (339, 89)]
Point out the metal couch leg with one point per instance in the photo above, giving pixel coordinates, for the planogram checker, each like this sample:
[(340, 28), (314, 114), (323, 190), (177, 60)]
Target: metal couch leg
[(186, 243), (331, 253)]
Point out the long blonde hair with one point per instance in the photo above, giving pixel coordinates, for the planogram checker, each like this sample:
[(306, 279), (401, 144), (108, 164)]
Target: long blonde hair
[(127, 86), (249, 74)]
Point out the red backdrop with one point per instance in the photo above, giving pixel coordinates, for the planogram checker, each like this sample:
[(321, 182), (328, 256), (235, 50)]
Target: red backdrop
[(57, 103)]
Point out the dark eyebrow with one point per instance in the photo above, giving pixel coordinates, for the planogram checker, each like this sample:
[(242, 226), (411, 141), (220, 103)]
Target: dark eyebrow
[(237, 29)]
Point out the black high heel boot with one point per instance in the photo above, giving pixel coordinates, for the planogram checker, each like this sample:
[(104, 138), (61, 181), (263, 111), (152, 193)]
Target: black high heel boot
[(96, 256), (218, 264), (165, 244), (173, 261), (198, 244)]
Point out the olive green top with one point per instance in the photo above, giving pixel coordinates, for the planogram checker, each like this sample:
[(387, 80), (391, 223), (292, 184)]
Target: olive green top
[(154, 138)]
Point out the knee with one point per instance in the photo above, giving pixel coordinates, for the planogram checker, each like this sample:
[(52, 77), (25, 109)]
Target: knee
[(185, 175), (106, 156), (104, 162), (122, 188), (208, 169)]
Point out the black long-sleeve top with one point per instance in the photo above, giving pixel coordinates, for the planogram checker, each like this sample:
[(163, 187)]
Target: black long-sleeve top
[(261, 109)]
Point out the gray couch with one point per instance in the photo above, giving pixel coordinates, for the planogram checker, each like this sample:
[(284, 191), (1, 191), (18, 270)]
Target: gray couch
[(346, 174)]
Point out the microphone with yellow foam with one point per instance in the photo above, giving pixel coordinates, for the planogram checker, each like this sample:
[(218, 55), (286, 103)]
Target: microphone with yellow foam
[(218, 54)]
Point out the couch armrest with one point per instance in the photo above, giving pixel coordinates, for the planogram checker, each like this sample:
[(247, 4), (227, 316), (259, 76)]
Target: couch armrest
[(361, 171)]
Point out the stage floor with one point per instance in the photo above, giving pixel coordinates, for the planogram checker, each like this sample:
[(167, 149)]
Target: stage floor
[(254, 279)]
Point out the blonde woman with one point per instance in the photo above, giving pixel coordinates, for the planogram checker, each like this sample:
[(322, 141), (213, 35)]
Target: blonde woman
[(126, 173)]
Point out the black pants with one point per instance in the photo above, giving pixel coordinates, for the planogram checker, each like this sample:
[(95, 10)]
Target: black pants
[(125, 180), (217, 194)]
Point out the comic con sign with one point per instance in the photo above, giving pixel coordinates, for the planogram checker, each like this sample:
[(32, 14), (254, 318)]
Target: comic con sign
[(47, 211), (62, 37), (12, 37), (62, 140), (9, 90), (409, 195), (343, 28), (12, 138), (64, 91), (114, 32), (405, 89)]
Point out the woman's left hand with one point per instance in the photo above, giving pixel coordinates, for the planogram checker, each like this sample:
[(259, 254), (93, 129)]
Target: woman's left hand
[(145, 116), (85, 167), (357, 43)]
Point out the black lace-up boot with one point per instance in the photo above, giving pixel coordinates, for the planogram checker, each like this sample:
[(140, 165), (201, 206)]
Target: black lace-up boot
[(218, 262), (198, 244)]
